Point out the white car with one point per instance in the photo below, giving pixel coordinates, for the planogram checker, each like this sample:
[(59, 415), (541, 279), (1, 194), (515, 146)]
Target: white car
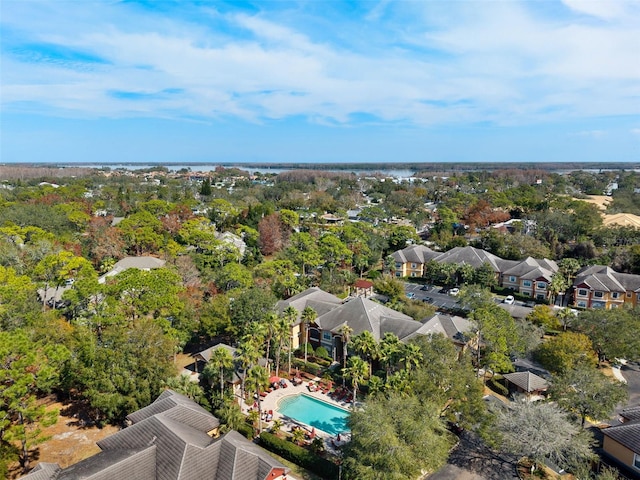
[(509, 300), (454, 292)]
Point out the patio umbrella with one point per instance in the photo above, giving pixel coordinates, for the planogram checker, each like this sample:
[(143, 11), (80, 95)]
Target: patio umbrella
[(274, 379)]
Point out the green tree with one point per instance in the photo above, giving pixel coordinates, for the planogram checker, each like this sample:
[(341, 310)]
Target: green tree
[(142, 233), (612, 332), (396, 437), (251, 306), (258, 380), (587, 392), (389, 286), (356, 371), (219, 364), (544, 316), (366, 346), (496, 337), (565, 352), (28, 368)]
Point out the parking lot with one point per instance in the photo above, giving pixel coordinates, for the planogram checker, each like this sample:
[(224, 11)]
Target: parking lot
[(435, 295), (432, 295)]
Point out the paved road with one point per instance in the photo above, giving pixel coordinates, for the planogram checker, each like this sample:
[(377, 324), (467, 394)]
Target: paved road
[(631, 373), (472, 456)]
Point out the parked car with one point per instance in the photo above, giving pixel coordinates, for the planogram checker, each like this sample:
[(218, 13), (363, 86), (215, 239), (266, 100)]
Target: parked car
[(425, 288), (427, 299), (454, 292), (411, 295), (509, 300)]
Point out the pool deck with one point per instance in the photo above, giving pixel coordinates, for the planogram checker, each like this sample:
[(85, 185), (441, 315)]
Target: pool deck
[(270, 402)]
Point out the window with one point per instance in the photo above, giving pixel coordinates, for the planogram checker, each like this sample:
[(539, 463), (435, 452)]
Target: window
[(582, 292), (413, 265), (615, 295), (413, 274), (629, 294), (636, 460), (582, 304), (398, 274), (526, 294), (540, 296), (541, 285), (398, 265), (326, 336), (597, 294), (526, 283), (512, 279)]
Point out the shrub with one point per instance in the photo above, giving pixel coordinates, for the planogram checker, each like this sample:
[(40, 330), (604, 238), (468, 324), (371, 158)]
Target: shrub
[(299, 456), (322, 352), (497, 387), (246, 430)]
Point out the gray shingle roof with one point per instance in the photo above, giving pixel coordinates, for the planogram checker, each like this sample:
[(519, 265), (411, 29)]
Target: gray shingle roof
[(43, 471), (627, 434), (180, 408), (363, 314), (529, 382), (170, 444), (414, 254), (455, 328), (599, 277), (314, 297), (631, 413), (470, 256), (108, 465)]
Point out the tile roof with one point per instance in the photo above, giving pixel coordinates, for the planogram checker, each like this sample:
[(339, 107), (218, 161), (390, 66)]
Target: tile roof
[(627, 434), (455, 328), (529, 382), (43, 471), (631, 413)]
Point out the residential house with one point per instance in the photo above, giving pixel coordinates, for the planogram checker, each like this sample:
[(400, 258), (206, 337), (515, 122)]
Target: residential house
[(622, 442), (411, 261), (530, 277), (457, 329), (333, 314), (141, 263), (599, 286), (173, 438), (526, 383)]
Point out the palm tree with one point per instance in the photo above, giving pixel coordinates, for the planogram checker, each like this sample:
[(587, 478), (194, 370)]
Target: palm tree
[(346, 332), (184, 385), (282, 336), (276, 426), (270, 325), (290, 314), (230, 415), (357, 372), (297, 436), (258, 379), (365, 344), (220, 361), (248, 355), (411, 355), (390, 347), (308, 317)]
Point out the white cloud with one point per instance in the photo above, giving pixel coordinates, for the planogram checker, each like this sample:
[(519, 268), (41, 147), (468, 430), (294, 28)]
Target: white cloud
[(607, 9), (490, 61)]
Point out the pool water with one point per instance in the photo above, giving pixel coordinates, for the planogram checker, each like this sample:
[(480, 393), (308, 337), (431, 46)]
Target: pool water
[(315, 413)]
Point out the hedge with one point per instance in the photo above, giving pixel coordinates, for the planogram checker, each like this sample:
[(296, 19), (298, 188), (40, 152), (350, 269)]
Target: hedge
[(246, 430), (299, 456)]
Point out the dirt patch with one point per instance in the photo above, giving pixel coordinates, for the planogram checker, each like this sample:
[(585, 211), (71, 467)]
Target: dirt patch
[(600, 201), (72, 439)]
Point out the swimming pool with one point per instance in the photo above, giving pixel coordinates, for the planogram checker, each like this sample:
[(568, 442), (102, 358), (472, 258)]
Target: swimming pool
[(315, 413)]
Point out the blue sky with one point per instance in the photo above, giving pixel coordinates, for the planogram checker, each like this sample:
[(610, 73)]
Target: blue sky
[(320, 81)]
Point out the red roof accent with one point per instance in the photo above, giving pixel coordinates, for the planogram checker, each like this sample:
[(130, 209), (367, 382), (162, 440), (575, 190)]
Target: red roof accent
[(361, 283)]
